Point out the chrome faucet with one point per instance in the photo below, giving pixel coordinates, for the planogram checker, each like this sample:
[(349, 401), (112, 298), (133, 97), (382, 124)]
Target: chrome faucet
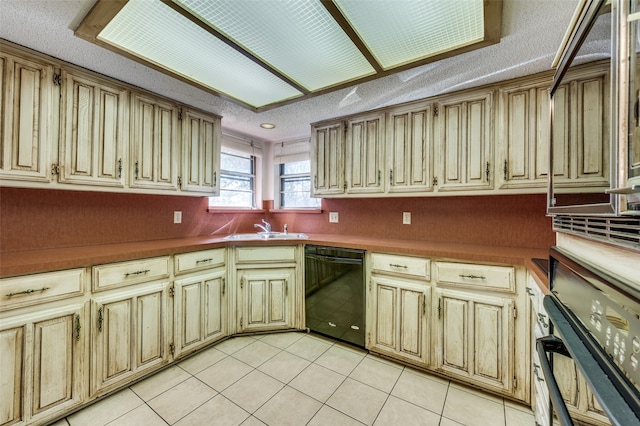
[(266, 227)]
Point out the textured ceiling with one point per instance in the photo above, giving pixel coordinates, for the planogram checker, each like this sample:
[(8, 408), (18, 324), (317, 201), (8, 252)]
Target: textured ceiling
[(532, 31)]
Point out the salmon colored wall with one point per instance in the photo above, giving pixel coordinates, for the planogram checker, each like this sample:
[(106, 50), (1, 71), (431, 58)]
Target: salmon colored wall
[(41, 218)]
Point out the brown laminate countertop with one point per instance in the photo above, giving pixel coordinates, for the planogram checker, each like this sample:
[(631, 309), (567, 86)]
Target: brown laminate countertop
[(33, 261)]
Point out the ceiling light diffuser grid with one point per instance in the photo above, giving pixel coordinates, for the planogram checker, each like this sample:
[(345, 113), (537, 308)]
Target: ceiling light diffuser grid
[(399, 32), (299, 38), (155, 32)]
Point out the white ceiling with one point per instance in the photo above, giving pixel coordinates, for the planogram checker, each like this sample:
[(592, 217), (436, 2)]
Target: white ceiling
[(532, 31)]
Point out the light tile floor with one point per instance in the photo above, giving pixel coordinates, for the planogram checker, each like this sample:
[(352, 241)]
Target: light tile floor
[(296, 379)]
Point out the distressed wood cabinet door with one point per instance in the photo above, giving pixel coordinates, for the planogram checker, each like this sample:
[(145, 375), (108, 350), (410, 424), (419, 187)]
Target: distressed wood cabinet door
[(94, 131), (400, 318), (364, 154), (43, 364), (200, 305), (129, 334), (327, 159), (465, 143), (201, 136), (410, 155), (155, 143), (29, 107), (475, 338), (266, 301)]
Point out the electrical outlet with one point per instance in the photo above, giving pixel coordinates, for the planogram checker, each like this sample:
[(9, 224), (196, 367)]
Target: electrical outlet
[(177, 217), (333, 217), (406, 218)]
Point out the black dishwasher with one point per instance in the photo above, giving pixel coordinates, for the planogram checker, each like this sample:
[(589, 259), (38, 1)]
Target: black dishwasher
[(335, 292)]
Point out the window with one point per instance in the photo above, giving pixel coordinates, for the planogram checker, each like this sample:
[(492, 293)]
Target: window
[(295, 185), (237, 181)]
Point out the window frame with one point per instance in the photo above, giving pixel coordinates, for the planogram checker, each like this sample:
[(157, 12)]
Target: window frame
[(281, 178), (252, 176)]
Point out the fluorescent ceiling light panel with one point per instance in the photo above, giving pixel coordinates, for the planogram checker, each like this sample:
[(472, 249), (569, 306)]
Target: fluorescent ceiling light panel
[(153, 31), (400, 32), (299, 38)]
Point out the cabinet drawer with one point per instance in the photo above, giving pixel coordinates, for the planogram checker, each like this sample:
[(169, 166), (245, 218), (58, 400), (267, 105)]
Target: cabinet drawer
[(416, 267), (116, 275), (273, 254), (38, 288), (498, 278), (196, 261)]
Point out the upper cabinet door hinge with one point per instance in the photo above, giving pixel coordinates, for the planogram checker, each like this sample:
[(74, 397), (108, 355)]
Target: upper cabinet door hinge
[(172, 291), (180, 114), (55, 169), (435, 111), (515, 312), (179, 182), (172, 349), (57, 79), (515, 382), (435, 181)]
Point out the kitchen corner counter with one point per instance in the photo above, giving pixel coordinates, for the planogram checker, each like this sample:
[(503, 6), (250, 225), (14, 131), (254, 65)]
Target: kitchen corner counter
[(34, 261)]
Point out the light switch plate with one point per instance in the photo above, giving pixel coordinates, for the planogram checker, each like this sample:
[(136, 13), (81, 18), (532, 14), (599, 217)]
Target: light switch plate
[(333, 217), (177, 217)]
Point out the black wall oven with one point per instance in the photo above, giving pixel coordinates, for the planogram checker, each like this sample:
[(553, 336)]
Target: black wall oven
[(595, 321)]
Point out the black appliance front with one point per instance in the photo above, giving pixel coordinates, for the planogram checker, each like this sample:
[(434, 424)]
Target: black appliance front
[(595, 321), (335, 293)]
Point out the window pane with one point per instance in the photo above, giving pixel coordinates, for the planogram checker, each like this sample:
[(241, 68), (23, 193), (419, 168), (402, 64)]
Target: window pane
[(237, 181), (236, 163), (295, 185), (297, 167)]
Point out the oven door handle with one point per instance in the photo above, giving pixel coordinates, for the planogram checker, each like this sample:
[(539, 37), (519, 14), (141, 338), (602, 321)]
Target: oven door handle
[(553, 344)]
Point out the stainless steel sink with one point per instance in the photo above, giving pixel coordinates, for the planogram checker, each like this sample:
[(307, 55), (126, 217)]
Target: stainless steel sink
[(267, 236)]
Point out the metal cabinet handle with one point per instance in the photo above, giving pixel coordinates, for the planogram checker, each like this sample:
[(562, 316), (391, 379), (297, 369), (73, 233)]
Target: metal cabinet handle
[(390, 177), (78, 327), (137, 272), (137, 170), (529, 291), (487, 171), (541, 319), (224, 285), (473, 277), (204, 260), (395, 265), (215, 178), (505, 169), (28, 291), (439, 307), (120, 168), (100, 319)]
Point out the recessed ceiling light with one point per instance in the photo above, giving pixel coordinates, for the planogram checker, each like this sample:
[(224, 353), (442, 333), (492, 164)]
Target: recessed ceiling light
[(268, 126)]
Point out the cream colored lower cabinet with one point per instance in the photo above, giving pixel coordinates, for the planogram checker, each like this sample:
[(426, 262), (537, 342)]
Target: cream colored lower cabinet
[(400, 311), (130, 334), (475, 338), (200, 311), (268, 291), (266, 299), (43, 346)]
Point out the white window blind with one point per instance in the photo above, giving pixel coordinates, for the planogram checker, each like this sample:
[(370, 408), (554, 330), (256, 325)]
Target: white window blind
[(292, 151), (239, 145)]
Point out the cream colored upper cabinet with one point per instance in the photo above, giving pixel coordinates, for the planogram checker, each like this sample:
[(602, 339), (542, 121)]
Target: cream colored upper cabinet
[(94, 125), (364, 162), (29, 107), (465, 142), (580, 132), (410, 148), (201, 138), (155, 143), (327, 159), (524, 135)]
